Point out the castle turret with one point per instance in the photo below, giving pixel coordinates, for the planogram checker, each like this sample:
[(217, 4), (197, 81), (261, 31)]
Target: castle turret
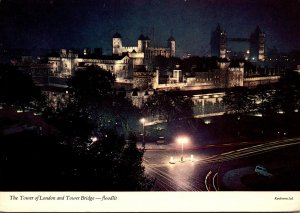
[(143, 43), (117, 44), (172, 46)]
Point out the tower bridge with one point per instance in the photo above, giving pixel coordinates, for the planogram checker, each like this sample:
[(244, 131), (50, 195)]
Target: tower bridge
[(256, 51)]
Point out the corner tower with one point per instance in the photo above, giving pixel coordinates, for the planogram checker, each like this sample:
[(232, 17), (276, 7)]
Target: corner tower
[(117, 44), (143, 43)]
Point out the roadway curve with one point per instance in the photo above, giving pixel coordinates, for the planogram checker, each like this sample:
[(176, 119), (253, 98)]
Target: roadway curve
[(184, 176)]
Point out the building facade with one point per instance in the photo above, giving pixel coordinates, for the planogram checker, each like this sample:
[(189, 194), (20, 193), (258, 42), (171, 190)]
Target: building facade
[(67, 62), (144, 52)]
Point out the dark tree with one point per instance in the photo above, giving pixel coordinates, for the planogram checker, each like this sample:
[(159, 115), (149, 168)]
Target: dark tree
[(263, 98), (112, 164), (18, 89), (96, 99), (168, 106), (238, 100), (92, 84), (93, 126), (31, 162), (287, 95)]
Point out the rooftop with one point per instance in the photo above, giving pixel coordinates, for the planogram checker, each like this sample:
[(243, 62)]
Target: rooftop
[(171, 38), (117, 35)]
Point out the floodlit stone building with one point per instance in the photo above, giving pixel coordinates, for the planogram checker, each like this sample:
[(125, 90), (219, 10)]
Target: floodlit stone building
[(65, 63), (205, 83), (143, 53)]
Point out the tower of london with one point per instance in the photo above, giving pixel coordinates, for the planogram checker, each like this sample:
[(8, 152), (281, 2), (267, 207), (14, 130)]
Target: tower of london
[(144, 52)]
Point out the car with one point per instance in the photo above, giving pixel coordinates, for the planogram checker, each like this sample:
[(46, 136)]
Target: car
[(260, 170), (161, 140)]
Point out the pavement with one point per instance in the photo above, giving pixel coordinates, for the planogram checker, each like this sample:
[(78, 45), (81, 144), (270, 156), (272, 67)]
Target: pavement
[(154, 146), (232, 178), (172, 146)]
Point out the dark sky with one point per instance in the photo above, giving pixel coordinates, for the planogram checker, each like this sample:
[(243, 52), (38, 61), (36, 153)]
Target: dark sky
[(91, 23)]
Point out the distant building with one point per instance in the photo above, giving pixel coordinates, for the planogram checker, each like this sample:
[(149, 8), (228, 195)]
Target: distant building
[(206, 85), (65, 63), (37, 68), (205, 81)]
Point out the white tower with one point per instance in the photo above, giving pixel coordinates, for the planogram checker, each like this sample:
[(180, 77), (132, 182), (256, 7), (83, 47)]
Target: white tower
[(117, 44)]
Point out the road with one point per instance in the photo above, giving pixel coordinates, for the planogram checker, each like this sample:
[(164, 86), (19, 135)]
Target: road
[(200, 172)]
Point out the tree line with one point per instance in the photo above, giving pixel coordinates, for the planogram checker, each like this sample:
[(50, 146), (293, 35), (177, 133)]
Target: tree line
[(267, 99), (95, 148)]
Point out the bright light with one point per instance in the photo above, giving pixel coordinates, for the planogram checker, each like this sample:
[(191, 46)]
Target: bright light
[(192, 158), (296, 110), (207, 121), (182, 139), (94, 139), (258, 115), (280, 112), (143, 120)]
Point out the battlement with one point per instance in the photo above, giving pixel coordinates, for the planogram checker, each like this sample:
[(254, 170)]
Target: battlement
[(143, 46), (158, 48), (129, 49), (136, 55)]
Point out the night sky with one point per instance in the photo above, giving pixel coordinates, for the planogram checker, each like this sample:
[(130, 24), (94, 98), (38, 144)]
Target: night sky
[(91, 23)]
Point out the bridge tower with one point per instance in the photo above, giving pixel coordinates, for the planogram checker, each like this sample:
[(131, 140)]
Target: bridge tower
[(218, 43), (257, 45)]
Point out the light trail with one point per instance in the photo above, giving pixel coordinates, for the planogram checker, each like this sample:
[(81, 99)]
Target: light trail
[(214, 182), (206, 180), (241, 153), (165, 181), (247, 152)]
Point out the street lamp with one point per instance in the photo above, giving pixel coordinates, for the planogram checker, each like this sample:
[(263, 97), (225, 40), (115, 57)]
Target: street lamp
[(143, 122), (93, 139), (182, 140)]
